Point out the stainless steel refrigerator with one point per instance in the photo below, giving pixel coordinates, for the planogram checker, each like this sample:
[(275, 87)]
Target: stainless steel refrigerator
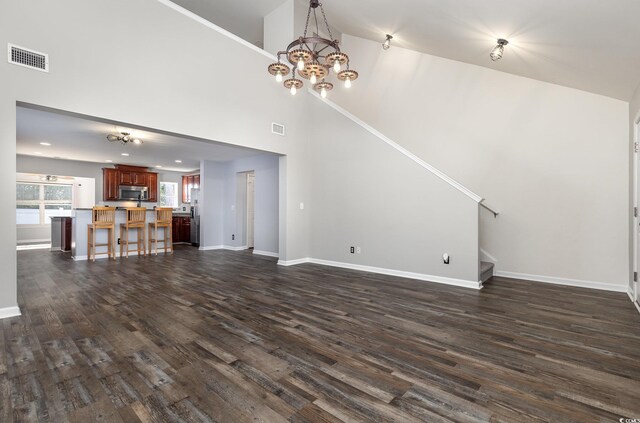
[(195, 217)]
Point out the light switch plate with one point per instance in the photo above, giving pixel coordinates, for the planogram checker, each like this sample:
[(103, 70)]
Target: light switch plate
[(301, 206)]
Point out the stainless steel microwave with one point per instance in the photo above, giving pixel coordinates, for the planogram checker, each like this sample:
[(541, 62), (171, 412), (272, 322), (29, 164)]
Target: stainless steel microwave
[(127, 192)]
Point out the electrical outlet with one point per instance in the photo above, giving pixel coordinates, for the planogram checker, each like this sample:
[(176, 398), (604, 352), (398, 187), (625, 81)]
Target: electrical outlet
[(446, 258), (352, 250), (233, 237), (118, 241)]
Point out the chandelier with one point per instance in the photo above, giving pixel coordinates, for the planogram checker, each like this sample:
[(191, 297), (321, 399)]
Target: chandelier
[(313, 57), (124, 138)]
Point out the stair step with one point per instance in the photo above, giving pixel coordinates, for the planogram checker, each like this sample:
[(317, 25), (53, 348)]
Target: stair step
[(486, 266), (486, 270)]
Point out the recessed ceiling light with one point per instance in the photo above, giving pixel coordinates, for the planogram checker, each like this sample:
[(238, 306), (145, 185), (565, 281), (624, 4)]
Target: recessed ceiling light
[(158, 166), (37, 152), (124, 154), (46, 144), (178, 161), (109, 161)]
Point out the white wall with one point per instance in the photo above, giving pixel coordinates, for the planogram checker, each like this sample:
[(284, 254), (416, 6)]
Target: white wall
[(278, 28), (212, 185), (266, 225), (634, 116), (367, 194), (552, 160)]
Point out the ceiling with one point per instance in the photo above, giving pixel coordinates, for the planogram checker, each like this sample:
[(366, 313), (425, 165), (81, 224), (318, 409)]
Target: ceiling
[(591, 45), (77, 138)]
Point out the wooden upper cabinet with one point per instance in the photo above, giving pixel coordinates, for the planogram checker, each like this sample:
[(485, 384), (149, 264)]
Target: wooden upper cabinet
[(110, 182), (189, 182), (126, 178), (151, 181), (128, 175)]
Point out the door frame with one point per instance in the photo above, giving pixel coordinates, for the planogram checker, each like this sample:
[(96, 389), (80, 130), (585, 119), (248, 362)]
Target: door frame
[(636, 219), (250, 175)]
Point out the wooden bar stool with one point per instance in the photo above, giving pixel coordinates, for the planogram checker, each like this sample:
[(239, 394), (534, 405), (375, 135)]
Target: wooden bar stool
[(136, 219), (102, 218), (164, 220)]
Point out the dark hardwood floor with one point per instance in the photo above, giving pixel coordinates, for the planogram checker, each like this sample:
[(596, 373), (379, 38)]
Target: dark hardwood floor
[(230, 337)]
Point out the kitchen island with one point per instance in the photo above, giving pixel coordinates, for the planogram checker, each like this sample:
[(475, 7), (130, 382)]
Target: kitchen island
[(82, 217)]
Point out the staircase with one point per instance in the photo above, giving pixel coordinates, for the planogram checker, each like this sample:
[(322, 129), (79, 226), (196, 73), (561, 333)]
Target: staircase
[(486, 270)]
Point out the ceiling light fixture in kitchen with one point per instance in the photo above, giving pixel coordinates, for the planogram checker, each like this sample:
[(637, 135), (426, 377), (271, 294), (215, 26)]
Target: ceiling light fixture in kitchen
[(124, 138), (313, 57)]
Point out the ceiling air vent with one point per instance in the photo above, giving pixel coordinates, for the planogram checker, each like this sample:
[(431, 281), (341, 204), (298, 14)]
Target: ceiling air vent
[(28, 58), (277, 128)]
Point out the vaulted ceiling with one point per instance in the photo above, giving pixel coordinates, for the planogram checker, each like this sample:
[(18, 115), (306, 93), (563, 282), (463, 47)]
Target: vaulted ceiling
[(591, 45)]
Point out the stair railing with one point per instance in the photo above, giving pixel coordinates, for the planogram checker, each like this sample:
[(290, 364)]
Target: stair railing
[(495, 213)]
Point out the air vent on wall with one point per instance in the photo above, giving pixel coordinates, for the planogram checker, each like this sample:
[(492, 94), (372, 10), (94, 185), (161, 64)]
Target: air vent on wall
[(277, 128), (28, 58)]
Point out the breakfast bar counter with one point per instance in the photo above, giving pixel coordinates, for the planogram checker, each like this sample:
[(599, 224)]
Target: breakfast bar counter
[(81, 217)]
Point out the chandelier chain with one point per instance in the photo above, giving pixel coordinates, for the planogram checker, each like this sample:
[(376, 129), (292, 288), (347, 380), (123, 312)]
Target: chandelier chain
[(326, 22), (306, 25)]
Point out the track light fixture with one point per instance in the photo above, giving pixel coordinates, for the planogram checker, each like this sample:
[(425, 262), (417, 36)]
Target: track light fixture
[(387, 42), (498, 50)]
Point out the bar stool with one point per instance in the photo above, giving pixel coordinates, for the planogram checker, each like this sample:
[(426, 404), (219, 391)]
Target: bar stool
[(136, 219), (102, 218), (164, 220)]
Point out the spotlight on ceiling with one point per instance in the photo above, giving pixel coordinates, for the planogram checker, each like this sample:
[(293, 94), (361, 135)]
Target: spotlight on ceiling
[(387, 42), (498, 50)]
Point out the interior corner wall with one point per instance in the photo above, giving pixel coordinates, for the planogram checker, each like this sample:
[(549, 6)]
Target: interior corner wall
[(266, 204), (552, 160), (634, 117), (403, 217), (8, 287), (212, 183), (278, 28)]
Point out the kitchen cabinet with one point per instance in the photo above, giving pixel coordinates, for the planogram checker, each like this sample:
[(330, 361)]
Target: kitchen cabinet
[(138, 179), (110, 182), (130, 176), (181, 230), (151, 181), (189, 182)]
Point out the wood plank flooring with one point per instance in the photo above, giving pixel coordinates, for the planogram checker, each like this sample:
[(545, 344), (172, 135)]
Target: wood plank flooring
[(222, 336)]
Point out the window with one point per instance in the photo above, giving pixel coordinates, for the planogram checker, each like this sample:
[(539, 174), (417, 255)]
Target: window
[(36, 203), (169, 194)]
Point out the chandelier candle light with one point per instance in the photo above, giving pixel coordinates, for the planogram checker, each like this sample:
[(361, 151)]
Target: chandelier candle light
[(313, 57)]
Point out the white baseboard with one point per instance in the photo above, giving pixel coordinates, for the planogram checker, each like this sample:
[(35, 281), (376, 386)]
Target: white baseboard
[(9, 312), (400, 273), (232, 248), (383, 271), (211, 247), (633, 300), (293, 262), (33, 241), (563, 281), (33, 247), (266, 253)]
